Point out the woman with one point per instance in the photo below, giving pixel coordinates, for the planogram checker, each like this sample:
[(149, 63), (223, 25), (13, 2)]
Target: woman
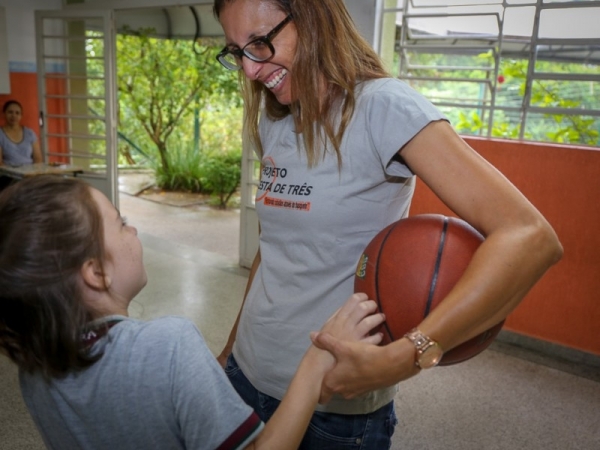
[(94, 378), (340, 143), (18, 144)]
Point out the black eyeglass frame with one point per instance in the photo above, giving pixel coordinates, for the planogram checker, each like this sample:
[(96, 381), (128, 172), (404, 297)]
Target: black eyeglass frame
[(241, 52)]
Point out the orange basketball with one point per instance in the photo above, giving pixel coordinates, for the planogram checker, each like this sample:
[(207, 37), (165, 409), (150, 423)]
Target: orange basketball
[(410, 266)]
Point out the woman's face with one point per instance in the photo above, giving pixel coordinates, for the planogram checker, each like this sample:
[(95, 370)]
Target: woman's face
[(245, 20), (13, 114)]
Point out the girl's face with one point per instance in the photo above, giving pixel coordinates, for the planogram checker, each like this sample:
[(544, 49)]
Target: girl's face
[(13, 114), (124, 265), (245, 20)]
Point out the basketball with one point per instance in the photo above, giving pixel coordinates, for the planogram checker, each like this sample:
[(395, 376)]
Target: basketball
[(409, 267)]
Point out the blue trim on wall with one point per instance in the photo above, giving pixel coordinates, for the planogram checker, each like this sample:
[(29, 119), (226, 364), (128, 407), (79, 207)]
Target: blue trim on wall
[(22, 66), (31, 67)]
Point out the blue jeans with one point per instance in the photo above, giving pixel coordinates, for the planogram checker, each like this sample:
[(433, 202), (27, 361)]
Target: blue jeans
[(326, 431)]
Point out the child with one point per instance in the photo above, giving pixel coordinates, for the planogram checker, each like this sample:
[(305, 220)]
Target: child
[(93, 378)]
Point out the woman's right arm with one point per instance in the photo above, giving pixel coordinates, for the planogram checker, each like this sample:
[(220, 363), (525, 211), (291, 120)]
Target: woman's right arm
[(1, 158), (222, 358)]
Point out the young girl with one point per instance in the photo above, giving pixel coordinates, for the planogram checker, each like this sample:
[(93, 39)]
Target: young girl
[(91, 376)]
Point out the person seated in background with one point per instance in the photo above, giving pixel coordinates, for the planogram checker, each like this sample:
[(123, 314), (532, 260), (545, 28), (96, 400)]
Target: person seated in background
[(18, 144), (94, 378)]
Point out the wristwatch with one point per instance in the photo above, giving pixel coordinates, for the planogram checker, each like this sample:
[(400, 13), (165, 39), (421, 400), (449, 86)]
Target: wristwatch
[(429, 353)]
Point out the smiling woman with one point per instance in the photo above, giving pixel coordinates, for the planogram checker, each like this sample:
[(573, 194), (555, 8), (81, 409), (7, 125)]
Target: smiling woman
[(340, 142)]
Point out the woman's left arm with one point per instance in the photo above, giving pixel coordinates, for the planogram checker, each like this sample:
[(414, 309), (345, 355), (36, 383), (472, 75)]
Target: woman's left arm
[(519, 246)]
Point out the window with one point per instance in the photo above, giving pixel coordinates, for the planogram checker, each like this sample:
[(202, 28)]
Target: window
[(517, 69)]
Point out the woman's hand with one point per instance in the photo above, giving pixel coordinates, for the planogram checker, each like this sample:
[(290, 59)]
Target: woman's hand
[(353, 322), (362, 367)]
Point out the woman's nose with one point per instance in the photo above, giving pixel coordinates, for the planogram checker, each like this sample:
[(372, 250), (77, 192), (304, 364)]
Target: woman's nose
[(251, 68)]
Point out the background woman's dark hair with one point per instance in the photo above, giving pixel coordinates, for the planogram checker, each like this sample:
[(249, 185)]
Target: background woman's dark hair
[(10, 102), (49, 226)]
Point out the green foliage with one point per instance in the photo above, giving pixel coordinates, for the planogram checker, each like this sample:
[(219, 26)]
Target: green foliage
[(183, 172), (215, 173), (472, 122), (548, 94), (222, 173), (162, 83)]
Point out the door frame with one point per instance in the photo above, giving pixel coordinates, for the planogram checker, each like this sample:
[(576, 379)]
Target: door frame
[(107, 181)]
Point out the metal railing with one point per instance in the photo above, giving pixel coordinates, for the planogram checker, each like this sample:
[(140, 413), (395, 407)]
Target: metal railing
[(461, 69)]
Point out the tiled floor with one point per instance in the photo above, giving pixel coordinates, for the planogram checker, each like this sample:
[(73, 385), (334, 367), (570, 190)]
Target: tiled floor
[(498, 400)]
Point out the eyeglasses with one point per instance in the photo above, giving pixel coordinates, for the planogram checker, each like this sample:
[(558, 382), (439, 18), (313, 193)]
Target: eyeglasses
[(258, 50)]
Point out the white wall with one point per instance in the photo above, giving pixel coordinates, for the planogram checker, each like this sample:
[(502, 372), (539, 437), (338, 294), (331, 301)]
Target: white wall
[(4, 73), (20, 31), (363, 14)]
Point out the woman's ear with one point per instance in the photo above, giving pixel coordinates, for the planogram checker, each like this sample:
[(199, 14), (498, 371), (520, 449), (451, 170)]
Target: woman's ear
[(93, 275)]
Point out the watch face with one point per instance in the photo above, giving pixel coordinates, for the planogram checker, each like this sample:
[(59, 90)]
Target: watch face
[(429, 352), (430, 357)]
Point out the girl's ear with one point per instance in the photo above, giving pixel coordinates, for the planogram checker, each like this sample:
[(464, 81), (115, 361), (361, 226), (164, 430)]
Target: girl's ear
[(93, 276)]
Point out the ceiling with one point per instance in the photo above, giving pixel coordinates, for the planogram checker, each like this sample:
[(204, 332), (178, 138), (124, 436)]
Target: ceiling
[(189, 22), (173, 22)]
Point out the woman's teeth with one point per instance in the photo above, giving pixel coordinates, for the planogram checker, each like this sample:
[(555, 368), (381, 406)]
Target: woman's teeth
[(275, 81)]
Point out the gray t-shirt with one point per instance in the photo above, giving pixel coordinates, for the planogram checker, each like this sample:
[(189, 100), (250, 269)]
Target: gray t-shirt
[(315, 223), (17, 153), (157, 386)]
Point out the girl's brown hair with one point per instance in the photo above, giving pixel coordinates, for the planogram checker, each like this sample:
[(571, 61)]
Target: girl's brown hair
[(49, 226), (329, 49)]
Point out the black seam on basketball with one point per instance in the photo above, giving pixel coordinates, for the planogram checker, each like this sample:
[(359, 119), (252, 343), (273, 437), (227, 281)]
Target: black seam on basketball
[(385, 325), (438, 261)]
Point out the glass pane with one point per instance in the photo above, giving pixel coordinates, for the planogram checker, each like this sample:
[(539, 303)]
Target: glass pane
[(444, 3), (449, 54), (512, 77), (574, 23), (518, 22), (506, 124), (575, 59), (470, 121), (566, 1), (450, 91), (562, 128), (566, 94), (95, 127), (467, 26)]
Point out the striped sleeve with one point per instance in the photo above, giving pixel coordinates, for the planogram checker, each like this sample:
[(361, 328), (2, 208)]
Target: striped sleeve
[(244, 434)]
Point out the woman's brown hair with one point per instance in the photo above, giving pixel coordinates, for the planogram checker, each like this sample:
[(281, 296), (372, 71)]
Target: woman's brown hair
[(329, 48), (49, 226)]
